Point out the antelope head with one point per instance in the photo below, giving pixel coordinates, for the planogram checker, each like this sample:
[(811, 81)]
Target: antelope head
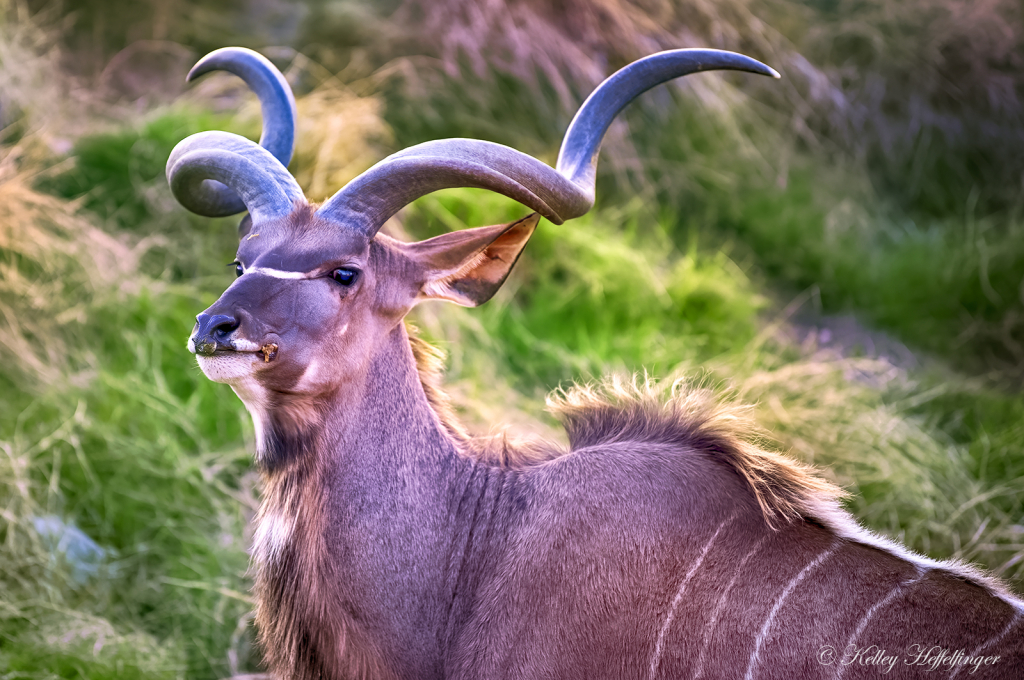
[(318, 289)]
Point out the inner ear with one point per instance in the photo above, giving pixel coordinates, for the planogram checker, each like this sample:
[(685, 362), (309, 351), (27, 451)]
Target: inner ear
[(467, 267)]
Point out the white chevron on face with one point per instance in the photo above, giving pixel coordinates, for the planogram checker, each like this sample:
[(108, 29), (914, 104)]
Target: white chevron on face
[(277, 273)]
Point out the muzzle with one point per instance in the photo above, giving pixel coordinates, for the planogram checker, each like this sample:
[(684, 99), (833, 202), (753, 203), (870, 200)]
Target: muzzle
[(212, 332)]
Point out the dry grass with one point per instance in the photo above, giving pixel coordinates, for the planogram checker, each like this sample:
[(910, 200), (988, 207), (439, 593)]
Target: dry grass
[(924, 94), (854, 417), (86, 566), (52, 256), (575, 45), (56, 270), (106, 425)]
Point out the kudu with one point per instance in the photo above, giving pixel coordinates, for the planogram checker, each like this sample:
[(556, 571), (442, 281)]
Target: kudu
[(664, 543)]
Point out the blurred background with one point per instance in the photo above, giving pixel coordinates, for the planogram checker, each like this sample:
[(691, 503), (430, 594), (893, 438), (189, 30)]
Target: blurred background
[(843, 248)]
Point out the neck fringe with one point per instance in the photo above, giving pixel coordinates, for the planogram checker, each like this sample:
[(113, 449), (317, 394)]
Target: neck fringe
[(699, 422), (616, 410)]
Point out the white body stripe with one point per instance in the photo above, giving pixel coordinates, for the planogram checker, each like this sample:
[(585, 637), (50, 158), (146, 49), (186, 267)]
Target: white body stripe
[(898, 589), (814, 564), (993, 640), (709, 629), (659, 645)]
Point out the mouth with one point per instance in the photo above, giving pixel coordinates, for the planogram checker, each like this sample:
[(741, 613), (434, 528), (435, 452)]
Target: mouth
[(268, 352), (233, 361), (230, 366), (209, 348)]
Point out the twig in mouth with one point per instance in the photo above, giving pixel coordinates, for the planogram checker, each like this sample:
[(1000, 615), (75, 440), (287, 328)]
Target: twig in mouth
[(269, 352)]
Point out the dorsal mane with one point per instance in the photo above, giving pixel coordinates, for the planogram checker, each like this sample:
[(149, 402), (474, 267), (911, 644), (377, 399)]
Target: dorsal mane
[(696, 419), (614, 411), (430, 366), (692, 416)]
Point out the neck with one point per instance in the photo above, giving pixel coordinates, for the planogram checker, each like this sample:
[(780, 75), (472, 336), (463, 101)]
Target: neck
[(356, 529)]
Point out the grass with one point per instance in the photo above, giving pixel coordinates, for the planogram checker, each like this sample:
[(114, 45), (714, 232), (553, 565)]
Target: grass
[(949, 287), (564, 313), (878, 432), (114, 173), (883, 168), (103, 427), (713, 227)]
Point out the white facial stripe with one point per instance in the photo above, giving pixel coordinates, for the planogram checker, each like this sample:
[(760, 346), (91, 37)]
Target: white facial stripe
[(278, 273)]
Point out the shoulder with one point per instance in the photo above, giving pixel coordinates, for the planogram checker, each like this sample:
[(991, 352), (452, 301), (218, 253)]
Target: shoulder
[(687, 431)]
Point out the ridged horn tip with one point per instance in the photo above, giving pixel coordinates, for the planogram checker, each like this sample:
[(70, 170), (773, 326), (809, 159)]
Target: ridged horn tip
[(277, 105)]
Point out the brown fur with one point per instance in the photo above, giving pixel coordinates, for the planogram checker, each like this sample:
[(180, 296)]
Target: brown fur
[(302, 625), (618, 410), (692, 416), (500, 450)]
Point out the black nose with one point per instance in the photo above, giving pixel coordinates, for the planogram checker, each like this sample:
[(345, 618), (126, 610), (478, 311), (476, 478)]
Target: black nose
[(212, 332)]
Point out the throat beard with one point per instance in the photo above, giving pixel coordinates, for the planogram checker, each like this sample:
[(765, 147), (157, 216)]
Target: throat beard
[(288, 429)]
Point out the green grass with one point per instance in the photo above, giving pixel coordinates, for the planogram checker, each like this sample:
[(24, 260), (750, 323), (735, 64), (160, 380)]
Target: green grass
[(601, 293), (949, 287), (104, 425), (710, 222), (114, 174)]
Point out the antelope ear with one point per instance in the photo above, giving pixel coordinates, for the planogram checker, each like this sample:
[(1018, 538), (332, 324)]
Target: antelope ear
[(468, 266), (245, 226)]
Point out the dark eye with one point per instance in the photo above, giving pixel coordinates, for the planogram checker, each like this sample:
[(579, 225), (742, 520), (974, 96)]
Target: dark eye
[(345, 277), (239, 270)]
